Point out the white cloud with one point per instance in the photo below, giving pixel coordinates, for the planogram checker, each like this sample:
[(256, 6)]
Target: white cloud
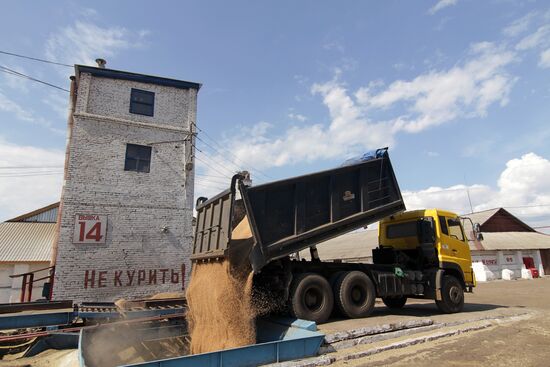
[(523, 187), (464, 91), (333, 45), (88, 13), (454, 198), (20, 189), (10, 106), (524, 182), (83, 42), (520, 25), (59, 104), (544, 61), (297, 117), (348, 132), (16, 82), (440, 96), (540, 37), (441, 4)]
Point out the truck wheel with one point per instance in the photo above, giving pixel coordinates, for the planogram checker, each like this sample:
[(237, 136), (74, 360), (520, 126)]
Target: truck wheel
[(334, 278), (311, 298), (452, 295), (332, 281), (394, 302), (355, 294)]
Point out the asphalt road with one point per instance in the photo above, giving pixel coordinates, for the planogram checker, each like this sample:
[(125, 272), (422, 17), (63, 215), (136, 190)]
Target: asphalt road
[(521, 341)]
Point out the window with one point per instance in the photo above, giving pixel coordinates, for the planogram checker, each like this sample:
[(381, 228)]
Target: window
[(443, 224), (142, 102), (138, 158), (400, 230), (455, 229)]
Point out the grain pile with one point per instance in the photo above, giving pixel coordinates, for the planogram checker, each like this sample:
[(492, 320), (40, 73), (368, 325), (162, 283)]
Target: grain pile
[(219, 300)]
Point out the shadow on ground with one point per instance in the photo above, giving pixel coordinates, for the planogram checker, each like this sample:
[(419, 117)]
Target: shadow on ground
[(423, 310)]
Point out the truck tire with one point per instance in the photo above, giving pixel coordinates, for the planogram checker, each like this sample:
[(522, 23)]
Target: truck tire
[(355, 294), (334, 278), (394, 302), (332, 281), (452, 295), (311, 298)]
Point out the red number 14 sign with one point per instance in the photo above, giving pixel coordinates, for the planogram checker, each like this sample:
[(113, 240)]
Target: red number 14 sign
[(90, 228)]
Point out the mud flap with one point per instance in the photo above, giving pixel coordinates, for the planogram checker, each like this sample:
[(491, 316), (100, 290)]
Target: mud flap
[(438, 284)]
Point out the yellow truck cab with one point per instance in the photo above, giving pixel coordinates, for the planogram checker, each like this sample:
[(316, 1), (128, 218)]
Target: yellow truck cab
[(432, 242)]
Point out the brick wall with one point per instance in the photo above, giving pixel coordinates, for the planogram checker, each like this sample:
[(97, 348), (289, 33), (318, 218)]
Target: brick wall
[(138, 258)]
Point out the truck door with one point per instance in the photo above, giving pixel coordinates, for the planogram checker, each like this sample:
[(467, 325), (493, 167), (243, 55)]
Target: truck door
[(454, 246)]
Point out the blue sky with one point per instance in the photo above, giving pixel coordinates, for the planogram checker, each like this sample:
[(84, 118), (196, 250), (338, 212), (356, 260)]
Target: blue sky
[(459, 90)]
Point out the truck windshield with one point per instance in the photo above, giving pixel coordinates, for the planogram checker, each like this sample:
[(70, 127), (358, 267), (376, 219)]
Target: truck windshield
[(400, 230)]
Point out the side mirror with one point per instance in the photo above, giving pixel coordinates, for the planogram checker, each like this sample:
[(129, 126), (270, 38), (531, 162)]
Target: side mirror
[(477, 232), (425, 231)]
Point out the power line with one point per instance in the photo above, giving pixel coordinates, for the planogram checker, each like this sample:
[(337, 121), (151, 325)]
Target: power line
[(16, 73), (214, 161), (221, 155), (526, 206), (226, 150), (35, 59), (210, 185), (213, 176), (28, 172), (28, 167), (222, 182), (31, 175), (213, 168)]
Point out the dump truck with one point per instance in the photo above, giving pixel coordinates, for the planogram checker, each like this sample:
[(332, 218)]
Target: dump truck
[(421, 253)]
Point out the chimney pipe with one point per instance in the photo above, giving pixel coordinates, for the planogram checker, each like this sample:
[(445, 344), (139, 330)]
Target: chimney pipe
[(101, 63)]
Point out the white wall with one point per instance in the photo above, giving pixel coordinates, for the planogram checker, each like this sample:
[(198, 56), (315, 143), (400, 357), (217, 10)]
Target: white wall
[(489, 265), (10, 288)]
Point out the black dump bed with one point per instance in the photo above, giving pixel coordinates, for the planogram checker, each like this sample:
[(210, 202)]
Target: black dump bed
[(290, 215)]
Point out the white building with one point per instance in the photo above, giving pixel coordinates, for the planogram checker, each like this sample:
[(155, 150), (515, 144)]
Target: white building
[(26, 246), (509, 247)]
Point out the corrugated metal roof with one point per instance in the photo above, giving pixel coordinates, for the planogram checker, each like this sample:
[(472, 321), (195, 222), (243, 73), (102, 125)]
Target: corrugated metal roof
[(478, 217), (24, 241), (513, 241), (482, 217), (47, 214)]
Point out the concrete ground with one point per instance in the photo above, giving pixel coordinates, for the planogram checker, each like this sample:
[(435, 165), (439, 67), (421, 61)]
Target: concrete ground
[(504, 323)]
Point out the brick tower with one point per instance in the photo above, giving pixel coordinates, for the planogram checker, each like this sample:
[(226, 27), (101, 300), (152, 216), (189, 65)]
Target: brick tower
[(124, 225)]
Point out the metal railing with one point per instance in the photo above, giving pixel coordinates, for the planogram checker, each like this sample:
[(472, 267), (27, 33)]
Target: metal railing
[(29, 279)]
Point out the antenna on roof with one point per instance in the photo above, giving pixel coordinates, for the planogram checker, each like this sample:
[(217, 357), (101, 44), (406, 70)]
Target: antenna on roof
[(468, 193)]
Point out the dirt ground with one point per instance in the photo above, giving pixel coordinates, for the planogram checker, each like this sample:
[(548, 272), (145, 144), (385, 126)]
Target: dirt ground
[(509, 343)]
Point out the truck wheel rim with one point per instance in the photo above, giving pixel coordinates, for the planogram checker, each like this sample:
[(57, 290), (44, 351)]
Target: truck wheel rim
[(358, 295), (313, 299), (455, 295)]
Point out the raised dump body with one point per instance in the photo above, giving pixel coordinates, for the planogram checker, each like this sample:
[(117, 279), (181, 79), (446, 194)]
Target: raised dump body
[(284, 217)]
